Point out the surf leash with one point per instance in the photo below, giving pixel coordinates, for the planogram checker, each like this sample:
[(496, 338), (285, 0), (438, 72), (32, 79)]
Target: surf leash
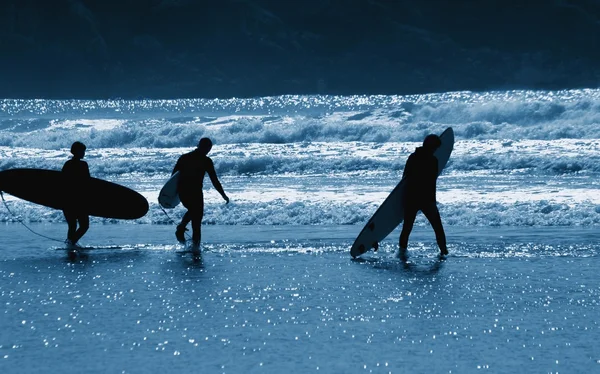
[(172, 220), (167, 214), (23, 223)]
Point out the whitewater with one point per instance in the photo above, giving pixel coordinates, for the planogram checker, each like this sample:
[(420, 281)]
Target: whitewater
[(276, 288), (521, 158)]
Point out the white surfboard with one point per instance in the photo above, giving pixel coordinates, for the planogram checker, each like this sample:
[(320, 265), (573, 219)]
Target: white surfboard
[(168, 196), (390, 214)]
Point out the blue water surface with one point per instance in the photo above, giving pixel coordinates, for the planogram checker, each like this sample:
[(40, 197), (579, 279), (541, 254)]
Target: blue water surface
[(267, 299)]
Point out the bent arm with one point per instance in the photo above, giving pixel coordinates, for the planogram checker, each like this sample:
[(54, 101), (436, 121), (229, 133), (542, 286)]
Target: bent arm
[(215, 181)]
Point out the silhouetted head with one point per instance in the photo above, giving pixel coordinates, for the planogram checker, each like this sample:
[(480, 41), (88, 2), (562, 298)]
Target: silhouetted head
[(78, 149), (432, 142), (204, 146)]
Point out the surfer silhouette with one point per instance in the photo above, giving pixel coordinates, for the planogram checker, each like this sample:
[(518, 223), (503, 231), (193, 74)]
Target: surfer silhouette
[(420, 172), (192, 167), (77, 171)]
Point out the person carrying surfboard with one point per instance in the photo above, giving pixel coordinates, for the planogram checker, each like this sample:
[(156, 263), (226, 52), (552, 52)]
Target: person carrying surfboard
[(192, 167), (421, 172), (77, 170)]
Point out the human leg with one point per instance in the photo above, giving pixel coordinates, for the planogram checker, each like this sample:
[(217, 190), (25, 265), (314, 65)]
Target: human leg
[(185, 219), (181, 228), (197, 228), (433, 215), (410, 214), (84, 225), (71, 219), (196, 217), (195, 206)]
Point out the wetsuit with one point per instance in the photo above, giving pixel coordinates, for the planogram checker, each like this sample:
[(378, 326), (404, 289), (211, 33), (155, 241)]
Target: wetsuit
[(421, 172), (77, 171), (192, 166)]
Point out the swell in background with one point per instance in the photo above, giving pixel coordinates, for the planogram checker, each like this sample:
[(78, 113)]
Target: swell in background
[(521, 157)]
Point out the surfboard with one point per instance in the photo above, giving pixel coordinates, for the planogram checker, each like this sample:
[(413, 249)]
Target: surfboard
[(390, 213), (168, 197), (93, 196)]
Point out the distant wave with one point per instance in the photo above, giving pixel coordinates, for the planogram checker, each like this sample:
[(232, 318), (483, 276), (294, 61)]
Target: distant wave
[(514, 115), (524, 214), (543, 157), (542, 148)]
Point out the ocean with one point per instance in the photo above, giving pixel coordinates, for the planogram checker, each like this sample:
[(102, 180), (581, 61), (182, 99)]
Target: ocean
[(276, 288)]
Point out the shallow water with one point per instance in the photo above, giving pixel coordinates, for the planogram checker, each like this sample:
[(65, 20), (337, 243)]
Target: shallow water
[(276, 288), (273, 298)]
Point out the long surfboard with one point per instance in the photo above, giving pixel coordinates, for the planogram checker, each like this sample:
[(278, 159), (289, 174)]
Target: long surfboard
[(390, 213), (93, 196), (168, 196)]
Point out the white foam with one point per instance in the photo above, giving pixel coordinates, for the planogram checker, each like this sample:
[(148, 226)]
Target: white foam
[(520, 158), (85, 124)]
